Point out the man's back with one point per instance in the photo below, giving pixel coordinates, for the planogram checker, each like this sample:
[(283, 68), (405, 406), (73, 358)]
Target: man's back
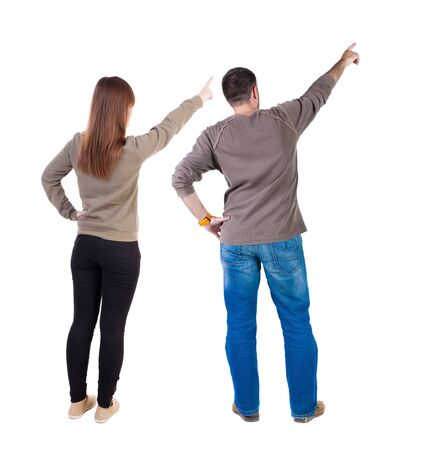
[(258, 156)]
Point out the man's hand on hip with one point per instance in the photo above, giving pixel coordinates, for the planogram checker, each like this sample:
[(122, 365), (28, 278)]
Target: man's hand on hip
[(214, 226)]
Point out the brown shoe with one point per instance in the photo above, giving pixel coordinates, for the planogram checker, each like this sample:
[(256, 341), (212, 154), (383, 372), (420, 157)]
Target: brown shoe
[(103, 414), (251, 418), (78, 409), (320, 409)]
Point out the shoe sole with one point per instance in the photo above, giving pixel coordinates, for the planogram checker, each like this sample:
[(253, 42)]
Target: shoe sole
[(106, 420), (103, 421), (86, 410)]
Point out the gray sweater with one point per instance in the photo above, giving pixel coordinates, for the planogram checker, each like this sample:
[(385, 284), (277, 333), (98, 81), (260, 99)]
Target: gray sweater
[(257, 154), (111, 204)]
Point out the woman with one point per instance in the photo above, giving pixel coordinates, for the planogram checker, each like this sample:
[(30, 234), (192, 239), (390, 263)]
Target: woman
[(106, 259)]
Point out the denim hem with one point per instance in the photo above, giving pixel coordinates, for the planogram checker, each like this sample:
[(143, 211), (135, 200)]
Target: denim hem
[(303, 416), (247, 412)]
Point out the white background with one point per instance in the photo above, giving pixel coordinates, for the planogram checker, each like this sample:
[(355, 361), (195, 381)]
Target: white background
[(359, 194)]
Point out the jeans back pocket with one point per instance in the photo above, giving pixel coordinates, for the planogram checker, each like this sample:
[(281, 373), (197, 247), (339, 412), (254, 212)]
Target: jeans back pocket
[(286, 255), (230, 254)]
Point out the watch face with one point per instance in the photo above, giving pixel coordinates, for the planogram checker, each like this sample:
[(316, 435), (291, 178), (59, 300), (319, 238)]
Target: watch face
[(204, 221)]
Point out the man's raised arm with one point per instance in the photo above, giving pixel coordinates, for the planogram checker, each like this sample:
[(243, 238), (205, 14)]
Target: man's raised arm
[(301, 111)]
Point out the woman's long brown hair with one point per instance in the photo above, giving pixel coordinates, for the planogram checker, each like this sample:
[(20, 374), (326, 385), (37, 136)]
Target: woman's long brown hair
[(106, 134)]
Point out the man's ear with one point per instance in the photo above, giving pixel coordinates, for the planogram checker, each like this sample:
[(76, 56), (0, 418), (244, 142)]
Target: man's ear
[(255, 92)]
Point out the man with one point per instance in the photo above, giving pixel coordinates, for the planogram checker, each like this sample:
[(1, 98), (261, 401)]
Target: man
[(255, 149)]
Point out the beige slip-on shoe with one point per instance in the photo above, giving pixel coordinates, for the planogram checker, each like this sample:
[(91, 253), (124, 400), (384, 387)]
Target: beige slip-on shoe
[(103, 414), (320, 409), (78, 409), (252, 418)]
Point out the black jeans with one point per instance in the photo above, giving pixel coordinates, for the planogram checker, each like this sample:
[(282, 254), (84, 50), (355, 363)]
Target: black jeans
[(108, 271)]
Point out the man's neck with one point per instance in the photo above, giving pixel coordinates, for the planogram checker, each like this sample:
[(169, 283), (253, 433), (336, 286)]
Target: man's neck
[(245, 110)]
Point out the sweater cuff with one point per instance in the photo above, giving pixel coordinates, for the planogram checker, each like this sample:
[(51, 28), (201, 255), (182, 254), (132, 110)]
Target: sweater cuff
[(73, 216), (197, 101)]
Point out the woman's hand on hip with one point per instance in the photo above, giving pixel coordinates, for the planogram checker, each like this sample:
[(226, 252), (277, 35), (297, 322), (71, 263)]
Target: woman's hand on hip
[(80, 214)]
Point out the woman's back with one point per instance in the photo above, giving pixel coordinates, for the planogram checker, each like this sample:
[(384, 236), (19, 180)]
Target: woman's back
[(111, 204)]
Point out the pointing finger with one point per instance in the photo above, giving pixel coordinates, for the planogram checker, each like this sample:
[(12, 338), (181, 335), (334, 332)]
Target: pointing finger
[(352, 46)]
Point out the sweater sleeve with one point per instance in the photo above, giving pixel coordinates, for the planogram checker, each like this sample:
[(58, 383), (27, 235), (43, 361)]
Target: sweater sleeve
[(301, 111), (51, 178), (200, 160), (160, 135)]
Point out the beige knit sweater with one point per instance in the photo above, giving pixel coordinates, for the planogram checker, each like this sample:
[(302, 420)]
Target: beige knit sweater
[(111, 204)]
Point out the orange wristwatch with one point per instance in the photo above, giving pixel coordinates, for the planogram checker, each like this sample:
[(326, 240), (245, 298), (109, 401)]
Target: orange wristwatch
[(205, 220)]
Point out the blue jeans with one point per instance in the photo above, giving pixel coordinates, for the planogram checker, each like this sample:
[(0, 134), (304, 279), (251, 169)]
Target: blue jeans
[(285, 271)]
